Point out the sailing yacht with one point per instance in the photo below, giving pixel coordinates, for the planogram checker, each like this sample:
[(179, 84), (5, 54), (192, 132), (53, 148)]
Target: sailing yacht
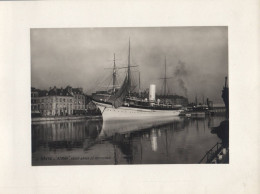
[(120, 105)]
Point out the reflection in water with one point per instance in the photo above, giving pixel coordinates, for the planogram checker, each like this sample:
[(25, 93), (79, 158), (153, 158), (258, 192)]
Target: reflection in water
[(153, 139), (65, 135), (169, 141), (222, 132)]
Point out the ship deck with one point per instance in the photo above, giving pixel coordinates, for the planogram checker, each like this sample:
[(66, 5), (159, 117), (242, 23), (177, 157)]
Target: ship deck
[(155, 107)]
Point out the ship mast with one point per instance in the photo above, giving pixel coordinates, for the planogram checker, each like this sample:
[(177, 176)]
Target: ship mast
[(129, 72), (165, 79)]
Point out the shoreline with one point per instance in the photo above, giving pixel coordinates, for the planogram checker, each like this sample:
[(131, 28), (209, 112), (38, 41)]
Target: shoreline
[(62, 118)]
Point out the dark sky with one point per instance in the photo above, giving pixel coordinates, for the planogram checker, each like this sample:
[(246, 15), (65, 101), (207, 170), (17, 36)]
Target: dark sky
[(197, 58)]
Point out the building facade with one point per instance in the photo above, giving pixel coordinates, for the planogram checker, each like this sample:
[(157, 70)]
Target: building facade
[(56, 102), (34, 102), (78, 101)]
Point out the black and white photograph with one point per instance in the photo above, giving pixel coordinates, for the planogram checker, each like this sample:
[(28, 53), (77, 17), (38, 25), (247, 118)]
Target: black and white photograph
[(129, 95)]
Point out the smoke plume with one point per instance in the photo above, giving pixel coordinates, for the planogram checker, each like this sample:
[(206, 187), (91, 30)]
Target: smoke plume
[(182, 86), (180, 73)]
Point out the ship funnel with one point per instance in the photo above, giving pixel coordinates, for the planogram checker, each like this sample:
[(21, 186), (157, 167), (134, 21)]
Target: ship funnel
[(152, 93)]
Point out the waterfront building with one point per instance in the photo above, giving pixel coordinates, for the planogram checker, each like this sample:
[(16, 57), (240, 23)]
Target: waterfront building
[(34, 102), (55, 102), (78, 101), (58, 101)]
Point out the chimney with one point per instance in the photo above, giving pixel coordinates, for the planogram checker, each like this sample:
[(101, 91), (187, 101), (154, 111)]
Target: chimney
[(69, 89), (152, 93)]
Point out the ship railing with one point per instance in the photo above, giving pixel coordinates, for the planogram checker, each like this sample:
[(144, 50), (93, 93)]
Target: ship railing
[(211, 154)]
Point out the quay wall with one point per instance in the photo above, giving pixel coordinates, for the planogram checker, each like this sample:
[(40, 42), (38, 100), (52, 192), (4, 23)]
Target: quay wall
[(62, 118)]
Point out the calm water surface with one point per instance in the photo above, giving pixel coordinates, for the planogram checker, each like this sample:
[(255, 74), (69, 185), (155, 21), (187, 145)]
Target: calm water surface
[(172, 141)]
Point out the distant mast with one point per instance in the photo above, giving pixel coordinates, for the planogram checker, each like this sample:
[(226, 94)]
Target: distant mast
[(139, 91), (165, 82), (114, 75)]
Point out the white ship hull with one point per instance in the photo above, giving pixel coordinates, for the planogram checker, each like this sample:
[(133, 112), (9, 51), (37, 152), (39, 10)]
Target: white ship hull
[(132, 113)]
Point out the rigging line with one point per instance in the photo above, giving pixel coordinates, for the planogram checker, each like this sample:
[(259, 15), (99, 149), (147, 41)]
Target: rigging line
[(104, 110), (105, 80), (109, 84), (167, 89), (113, 60), (134, 86), (122, 65), (96, 83)]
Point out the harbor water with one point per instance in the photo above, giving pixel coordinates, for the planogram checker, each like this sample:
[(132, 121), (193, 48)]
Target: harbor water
[(96, 142)]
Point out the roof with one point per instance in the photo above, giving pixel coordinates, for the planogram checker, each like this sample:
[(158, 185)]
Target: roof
[(35, 89), (68, 91), (59, 92), (77, 91)]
